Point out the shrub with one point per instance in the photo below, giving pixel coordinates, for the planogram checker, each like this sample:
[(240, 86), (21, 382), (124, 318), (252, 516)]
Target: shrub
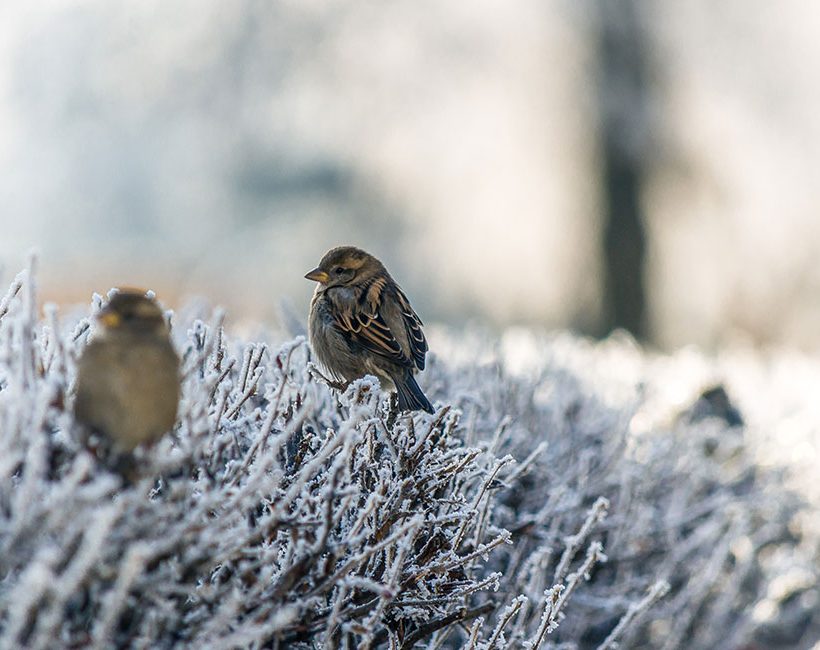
[(524, 513)]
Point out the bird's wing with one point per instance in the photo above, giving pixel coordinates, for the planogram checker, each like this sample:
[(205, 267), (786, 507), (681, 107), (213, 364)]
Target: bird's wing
[(363, 322), (415, 335)]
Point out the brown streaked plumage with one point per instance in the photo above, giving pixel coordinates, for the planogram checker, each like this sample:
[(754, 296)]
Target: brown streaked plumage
[(361, 323), (128, 383)]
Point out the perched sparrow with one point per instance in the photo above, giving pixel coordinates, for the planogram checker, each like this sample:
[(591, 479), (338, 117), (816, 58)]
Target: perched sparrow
[(361, 323), (128, 376)]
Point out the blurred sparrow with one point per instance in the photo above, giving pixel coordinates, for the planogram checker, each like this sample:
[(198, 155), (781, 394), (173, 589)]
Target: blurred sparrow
[(128, 376), (361, 323)]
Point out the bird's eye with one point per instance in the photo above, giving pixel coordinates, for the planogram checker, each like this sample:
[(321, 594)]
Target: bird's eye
[(339, 270)]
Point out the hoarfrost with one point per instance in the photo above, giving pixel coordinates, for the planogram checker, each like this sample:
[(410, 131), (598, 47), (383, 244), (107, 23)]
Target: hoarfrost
[(526, 512)]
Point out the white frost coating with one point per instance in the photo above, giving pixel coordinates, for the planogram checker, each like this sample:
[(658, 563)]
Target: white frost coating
[(656, 592), (280, 512)]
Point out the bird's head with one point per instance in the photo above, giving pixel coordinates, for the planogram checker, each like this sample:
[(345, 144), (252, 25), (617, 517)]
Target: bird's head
[(130, 311), (345, 266)]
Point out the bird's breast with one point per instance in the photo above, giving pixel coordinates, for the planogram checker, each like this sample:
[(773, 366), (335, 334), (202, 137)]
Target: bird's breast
[(321, 313)]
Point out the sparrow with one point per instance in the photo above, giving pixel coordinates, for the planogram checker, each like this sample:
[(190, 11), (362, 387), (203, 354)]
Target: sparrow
[(128, 383), (361, 323)]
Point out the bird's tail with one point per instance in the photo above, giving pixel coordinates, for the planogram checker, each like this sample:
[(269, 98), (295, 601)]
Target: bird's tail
[(411, 397)]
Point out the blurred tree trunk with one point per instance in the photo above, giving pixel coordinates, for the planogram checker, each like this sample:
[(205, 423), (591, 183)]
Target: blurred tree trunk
[(624, 136)]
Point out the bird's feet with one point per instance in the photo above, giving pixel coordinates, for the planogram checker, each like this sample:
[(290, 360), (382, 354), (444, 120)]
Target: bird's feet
[(341, 386)]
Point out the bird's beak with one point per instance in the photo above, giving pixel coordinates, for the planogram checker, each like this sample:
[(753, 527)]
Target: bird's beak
[(317, 275), (109, 318)]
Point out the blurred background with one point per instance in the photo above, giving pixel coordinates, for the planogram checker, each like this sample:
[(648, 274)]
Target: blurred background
[(652, 166)]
